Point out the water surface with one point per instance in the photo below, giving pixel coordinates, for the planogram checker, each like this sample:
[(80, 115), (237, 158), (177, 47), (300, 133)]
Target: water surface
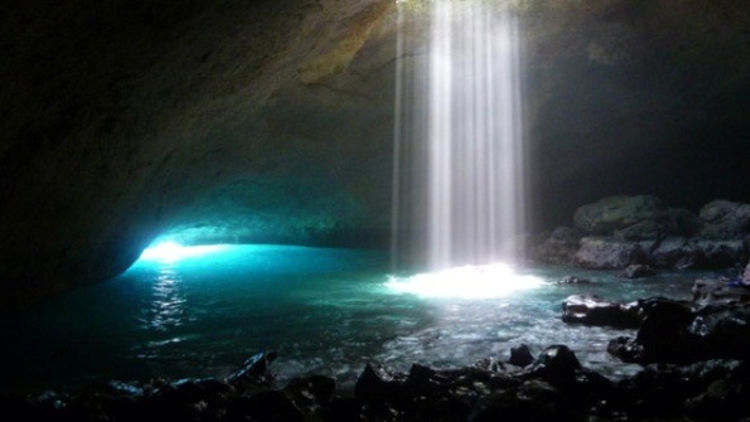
[(324, 311)]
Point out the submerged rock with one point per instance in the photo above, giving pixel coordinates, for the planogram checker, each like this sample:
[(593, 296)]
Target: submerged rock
[(594, 311)]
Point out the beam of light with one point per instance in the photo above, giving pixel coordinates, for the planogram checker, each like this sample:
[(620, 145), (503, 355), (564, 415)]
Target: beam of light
[(467, 282), (459, 188), (169, 251)]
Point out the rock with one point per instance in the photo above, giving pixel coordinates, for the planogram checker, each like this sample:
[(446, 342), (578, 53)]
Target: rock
[(311, 393), (746, 274), (636, 271), (571, 279), (521, 356), (377, 383), (560, 246), (254, 370), (644, 230), (680, 222), (557, 364), (270, 406), (534, 400), (721, 253), (616, 212), (609, 253), (594, 311), (725, 220), (676, 252), (719, 292)]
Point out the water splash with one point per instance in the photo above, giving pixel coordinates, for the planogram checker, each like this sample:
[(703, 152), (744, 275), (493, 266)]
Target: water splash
[(459, 189)]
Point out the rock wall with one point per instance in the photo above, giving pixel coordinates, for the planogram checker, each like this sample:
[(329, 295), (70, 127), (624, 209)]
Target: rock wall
[(123, 120)]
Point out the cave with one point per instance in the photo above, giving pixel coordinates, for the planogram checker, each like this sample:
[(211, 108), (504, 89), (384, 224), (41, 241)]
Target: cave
[(375, 210)]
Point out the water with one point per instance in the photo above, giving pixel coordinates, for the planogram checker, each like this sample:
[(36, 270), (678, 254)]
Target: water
[(325, 311), (459, 140)]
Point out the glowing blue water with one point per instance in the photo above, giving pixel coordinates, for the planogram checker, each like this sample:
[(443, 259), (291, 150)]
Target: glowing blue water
[(324, 310)]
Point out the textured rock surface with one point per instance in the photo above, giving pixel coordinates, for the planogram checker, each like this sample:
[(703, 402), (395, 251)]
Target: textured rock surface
[(271, 121)]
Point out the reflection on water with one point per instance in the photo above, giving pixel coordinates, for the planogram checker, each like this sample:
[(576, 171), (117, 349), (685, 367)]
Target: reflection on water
[(166, 306)]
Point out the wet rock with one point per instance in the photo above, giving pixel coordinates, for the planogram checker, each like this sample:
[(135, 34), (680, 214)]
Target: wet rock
[(377, 383), (609, 253), (725, 220), (560, 246), (556, 364), (571, 279), (616, 212), (521, 356), (720, 292), (594, 311), (311, 393), (636, 271), (534, 400), (254, 371)]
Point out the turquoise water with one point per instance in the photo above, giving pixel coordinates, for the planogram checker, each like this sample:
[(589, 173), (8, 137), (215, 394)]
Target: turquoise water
[(325, 311)]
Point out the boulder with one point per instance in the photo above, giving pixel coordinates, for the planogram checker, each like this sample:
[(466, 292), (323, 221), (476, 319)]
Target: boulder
[(378, 383), (557, 364), (644, 230), (720, 253), (636, 271), (610, 253), (253, 371), (680, 222), (725, 220), (560, 246), (311, 393), (594, 311), (746, 274), (676, 252), (616, 212), (521, 356)]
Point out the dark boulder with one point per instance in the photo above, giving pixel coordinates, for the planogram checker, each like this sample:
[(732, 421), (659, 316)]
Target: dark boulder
[(636, 271), (594, 311), (266, 406), (725, 220), (378, 383), (610, 253), (534, 400), (556, 364), (616, 212), (721, 253), (521, 356)]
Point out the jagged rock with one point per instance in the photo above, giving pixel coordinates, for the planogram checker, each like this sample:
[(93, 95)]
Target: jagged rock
[(254, 370), (609, 253), (377, 383), (719, 292), (560, 246), (616, 212), (521, 356), (725, 220), (571, 279), (594, 311), (636, 271)]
